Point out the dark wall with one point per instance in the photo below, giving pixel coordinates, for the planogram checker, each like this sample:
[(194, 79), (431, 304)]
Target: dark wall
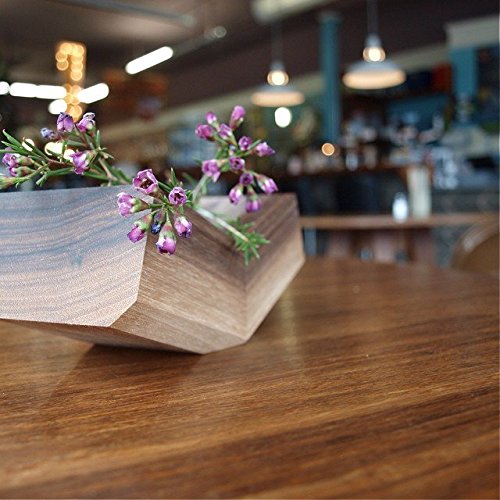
[(242, 59)]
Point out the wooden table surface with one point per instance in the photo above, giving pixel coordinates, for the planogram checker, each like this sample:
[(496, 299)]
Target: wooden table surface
[(366, 380)]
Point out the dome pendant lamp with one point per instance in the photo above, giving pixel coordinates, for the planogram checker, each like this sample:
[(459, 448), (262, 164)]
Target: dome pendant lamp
[(277, 91), (374, 71)]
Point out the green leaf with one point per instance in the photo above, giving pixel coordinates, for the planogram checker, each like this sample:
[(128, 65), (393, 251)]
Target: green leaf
[(12, 140)]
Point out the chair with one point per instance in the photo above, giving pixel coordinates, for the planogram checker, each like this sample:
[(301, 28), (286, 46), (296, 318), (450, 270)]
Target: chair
[(477, 250)]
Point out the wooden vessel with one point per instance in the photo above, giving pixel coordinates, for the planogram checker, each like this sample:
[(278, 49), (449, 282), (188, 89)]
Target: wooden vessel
[(67, 266)]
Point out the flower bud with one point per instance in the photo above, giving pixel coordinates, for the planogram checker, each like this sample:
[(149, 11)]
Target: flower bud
[(235, 194), (253, 203), (140, 228), (225, 132), (266, 184), (10, 160), (177, 196), (211, 169), (237, 117), (47, 133), (81, 161), (263, 149), (6, 182), (166, 242), (205, 132), (183, 227), (211, 118), (64, 123), (245, 142), (19, 171), (128, 204), (146, 182), (236, 163), (87, 123), (246, 179), (158, 220)]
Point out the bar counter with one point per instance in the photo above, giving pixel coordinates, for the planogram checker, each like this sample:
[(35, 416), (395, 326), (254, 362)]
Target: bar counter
[(366, 380)]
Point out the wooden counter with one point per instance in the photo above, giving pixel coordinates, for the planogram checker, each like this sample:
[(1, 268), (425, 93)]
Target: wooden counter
[(366, 380), (384, 236)]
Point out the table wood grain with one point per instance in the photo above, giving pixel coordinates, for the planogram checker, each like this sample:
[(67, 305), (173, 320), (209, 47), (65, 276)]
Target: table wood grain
[(366, 380)]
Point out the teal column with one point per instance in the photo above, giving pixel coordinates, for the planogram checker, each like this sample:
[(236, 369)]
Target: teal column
[(465, 71), (330, 67)]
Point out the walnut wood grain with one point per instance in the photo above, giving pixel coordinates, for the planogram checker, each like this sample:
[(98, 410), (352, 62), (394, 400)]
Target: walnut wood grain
[(69, 266), (365, 380)]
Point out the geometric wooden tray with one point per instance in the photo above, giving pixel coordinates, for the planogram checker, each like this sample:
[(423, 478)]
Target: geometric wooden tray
[(67, 266)]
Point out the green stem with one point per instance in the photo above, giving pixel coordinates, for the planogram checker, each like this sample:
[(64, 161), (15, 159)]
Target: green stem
[(219, 222), (199, 188)]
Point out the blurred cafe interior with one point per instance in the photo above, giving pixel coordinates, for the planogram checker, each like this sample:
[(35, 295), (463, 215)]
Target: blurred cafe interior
[(384, 113)]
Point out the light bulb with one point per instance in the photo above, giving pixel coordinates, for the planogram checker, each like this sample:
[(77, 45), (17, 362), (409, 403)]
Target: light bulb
[(282, 117), (328, 149), (277, 77), (373, 54)]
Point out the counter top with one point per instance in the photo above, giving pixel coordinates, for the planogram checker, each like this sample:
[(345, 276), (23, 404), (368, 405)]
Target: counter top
[(366, 380)]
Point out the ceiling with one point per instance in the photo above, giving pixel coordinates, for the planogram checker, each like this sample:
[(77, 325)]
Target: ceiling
[(31, 28)]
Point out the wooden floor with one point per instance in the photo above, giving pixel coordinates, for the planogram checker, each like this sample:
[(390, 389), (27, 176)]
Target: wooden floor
[(366, 380)]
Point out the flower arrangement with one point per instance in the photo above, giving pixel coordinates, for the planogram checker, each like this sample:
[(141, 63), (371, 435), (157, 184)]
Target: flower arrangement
[(75, 148)]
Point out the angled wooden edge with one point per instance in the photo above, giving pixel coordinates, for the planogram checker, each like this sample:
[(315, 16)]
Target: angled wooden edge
[(65, 257), (208, 299), (201, 299)]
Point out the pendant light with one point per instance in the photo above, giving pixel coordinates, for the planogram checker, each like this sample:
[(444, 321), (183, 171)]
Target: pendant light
[(277, 91), (374, 71)]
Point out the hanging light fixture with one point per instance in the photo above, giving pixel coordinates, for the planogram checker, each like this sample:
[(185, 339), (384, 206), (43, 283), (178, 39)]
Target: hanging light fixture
[(374, 71), (277, 91)]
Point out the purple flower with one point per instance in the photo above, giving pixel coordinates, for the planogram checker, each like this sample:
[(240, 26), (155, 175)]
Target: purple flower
[(81, 161), (183, 227), (211, 169), (246, 179), (225, 131), (266, 184), (146, 182), (177, 196), (204, 132), (245, 142), (211, 118), (48, 133), (64, 123), (237, 117), (16, 164), (263, 149), (236, 163), (166, 242), (128, 204), (140, 228), (10, 160), (87, 123), (235, 194), (19, 171), (253, 204)]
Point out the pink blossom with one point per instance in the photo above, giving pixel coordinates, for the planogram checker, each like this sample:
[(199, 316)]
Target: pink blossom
[(177, 196), (211, 169), (87, 123), (266, 184), (237, 117), (183, 227), (146, 182), (263, 149), (235, 194), (166, 242)]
